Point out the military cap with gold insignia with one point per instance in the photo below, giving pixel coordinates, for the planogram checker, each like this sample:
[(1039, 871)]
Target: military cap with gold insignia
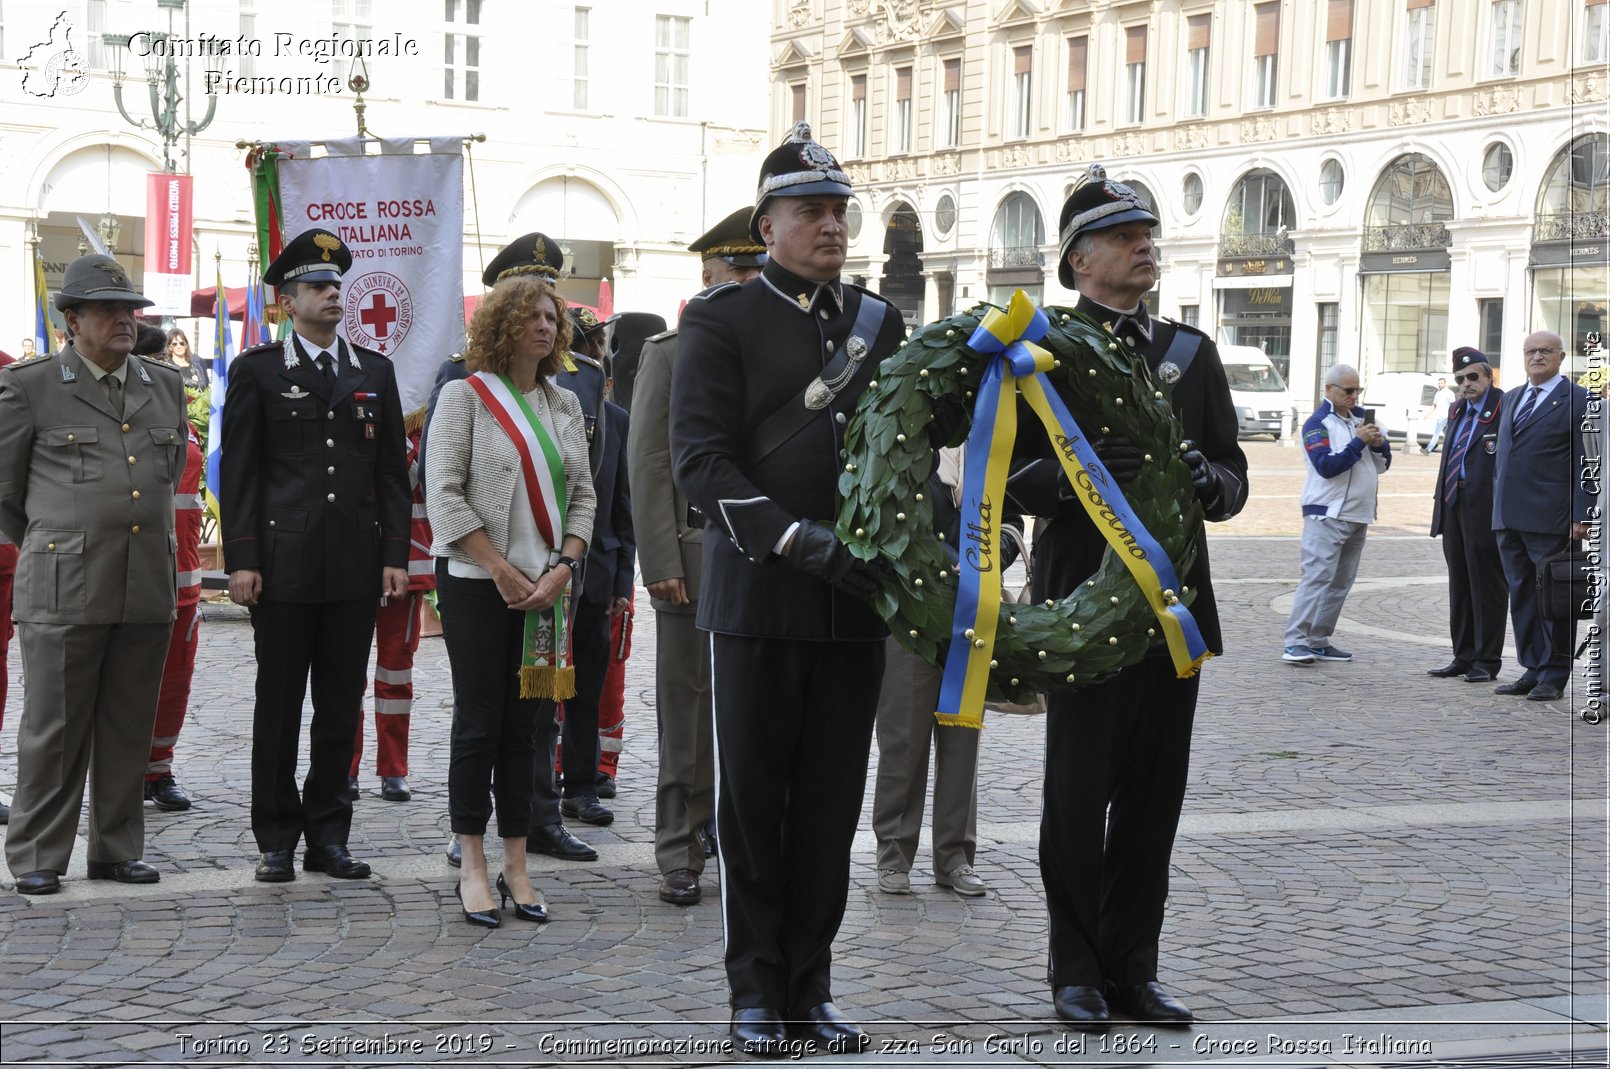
[(1097, 204), (730, 242), (530, 254), (799, 167), (584, 321), (97, 277), (312, 256)]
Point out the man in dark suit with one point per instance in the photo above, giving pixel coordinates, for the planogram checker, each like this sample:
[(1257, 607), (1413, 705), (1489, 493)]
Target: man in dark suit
[(91, 447), (316, 508), (1461, 512), (606, 592), (1539, 506), (670, 546), (536, 254), (796, 653), (1117, 754)]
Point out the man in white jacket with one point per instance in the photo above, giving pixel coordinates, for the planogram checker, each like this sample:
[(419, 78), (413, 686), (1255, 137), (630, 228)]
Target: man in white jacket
[(1346, 456)]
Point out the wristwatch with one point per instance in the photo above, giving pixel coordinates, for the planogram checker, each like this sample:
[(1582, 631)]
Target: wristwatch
[(575, 568)]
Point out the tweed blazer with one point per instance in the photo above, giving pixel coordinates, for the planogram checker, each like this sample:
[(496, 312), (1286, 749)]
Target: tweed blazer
[(474, 468)]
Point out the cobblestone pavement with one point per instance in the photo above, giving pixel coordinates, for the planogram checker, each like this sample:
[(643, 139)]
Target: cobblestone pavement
[(1366, 851)]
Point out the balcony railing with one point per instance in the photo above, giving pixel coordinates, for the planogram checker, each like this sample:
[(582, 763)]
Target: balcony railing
[(1570, 226), (1237, 245), (1016, 257), (1406, 237)]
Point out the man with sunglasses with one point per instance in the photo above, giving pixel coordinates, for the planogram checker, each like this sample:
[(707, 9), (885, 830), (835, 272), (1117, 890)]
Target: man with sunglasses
[(1346, 454), (1461, 512)]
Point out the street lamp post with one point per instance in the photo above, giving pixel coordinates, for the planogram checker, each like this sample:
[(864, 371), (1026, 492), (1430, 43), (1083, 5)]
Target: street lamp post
[(162, 83)]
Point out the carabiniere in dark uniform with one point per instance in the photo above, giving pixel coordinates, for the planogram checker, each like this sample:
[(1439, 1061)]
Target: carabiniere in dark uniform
[(315, 496), (797, 655), (1117, 754)]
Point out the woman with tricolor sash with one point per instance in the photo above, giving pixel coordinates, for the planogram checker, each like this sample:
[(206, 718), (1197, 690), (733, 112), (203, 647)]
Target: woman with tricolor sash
[(511, 503)]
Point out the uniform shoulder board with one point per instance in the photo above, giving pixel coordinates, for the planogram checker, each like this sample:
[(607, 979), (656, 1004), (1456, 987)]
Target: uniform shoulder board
[(1184, 326), (456, 358), (583, 358), (663, 335), (266, 347), (718, 291), (163, 364), (366, 351)]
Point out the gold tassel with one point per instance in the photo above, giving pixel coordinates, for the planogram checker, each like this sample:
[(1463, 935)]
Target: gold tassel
[(414, 421), (545, 681)]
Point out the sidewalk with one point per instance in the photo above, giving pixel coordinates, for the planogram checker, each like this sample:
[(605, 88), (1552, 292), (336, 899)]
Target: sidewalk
[(1365, 850)]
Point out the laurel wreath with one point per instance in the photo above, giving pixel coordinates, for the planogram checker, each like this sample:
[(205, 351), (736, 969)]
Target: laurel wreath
[(1105, 625)]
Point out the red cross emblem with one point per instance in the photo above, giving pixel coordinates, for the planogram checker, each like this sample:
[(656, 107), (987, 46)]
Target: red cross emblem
[(378, 315), (379, 311)]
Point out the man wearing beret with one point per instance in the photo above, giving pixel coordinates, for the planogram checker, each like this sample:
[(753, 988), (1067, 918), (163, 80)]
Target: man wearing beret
[(315, 505), (670, 547), (1461, 512), (796, 651), (91, 447), (1117, 754), (537, 254)]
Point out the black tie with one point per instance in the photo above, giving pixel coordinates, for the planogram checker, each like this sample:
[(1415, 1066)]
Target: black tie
[(1527, 405), (326, 364)]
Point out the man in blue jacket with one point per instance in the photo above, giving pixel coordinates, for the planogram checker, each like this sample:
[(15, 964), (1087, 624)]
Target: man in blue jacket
[(1346, 454)]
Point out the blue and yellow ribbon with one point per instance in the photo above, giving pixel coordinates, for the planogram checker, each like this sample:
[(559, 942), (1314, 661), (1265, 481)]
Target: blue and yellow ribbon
[(1015, 363)]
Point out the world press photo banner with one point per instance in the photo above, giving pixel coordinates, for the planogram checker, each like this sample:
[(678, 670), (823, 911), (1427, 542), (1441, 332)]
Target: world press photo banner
[(401, 212)]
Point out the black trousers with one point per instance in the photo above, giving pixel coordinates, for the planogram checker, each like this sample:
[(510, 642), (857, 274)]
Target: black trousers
[(1478, 594), (326, 642), (493, 744), (1116, 759), (793, 730), (589, 636)]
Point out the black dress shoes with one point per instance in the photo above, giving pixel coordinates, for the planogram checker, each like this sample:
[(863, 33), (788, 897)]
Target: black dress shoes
[(334, 861), (135, 871), (481, 918), (352, 788), (555, 840), (606, 786), (1455, 668), (1478, 674), (5, 813), (1150, 1004), (759, 1032), (526, 911), (277, 866), (587, 809), (166, 795), (1083, 1006), (824, 1026), (1544, 692), (1523, 685), (680, 887), (394, 789), (43, 882)]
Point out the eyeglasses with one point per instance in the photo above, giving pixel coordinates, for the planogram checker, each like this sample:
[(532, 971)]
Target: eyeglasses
[(1542, 350), (1349, 390), (1469, 376)]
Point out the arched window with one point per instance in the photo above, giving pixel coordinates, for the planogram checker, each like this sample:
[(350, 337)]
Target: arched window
[(1575, 199), (1018, 233), (1259, 213), (1408, 207)]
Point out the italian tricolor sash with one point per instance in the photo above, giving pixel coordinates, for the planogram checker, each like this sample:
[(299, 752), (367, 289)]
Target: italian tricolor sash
[(545, 668)]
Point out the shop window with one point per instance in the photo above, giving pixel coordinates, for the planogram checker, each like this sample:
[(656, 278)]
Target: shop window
[(1326, 345), (1406, 321), (1490, 316)]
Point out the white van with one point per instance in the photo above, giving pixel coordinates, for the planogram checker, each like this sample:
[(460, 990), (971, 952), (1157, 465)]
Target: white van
[(1402, 403), (1259, 393)]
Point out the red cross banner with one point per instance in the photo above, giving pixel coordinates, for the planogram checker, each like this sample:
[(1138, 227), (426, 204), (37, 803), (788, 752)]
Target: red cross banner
[(398, 204)]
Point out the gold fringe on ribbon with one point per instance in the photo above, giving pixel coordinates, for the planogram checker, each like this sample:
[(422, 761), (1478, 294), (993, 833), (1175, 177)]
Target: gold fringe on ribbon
[(546, 681), (414, 420)]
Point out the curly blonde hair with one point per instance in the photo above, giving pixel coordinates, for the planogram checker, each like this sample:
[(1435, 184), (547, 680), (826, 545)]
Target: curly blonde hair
[(500, 322)]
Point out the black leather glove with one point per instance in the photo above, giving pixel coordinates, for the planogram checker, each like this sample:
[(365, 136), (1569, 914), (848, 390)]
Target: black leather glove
[(1204, 476), (1121, 457), (817, 551)]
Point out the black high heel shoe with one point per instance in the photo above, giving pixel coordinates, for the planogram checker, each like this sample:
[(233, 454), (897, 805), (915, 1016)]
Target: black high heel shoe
[(489, 918), (536, 911)]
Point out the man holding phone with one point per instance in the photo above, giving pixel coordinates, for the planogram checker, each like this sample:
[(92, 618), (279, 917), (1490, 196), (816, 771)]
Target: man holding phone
[(1346, 454)]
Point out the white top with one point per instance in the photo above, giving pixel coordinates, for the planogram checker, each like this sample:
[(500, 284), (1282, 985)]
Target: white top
[(527, 549)]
